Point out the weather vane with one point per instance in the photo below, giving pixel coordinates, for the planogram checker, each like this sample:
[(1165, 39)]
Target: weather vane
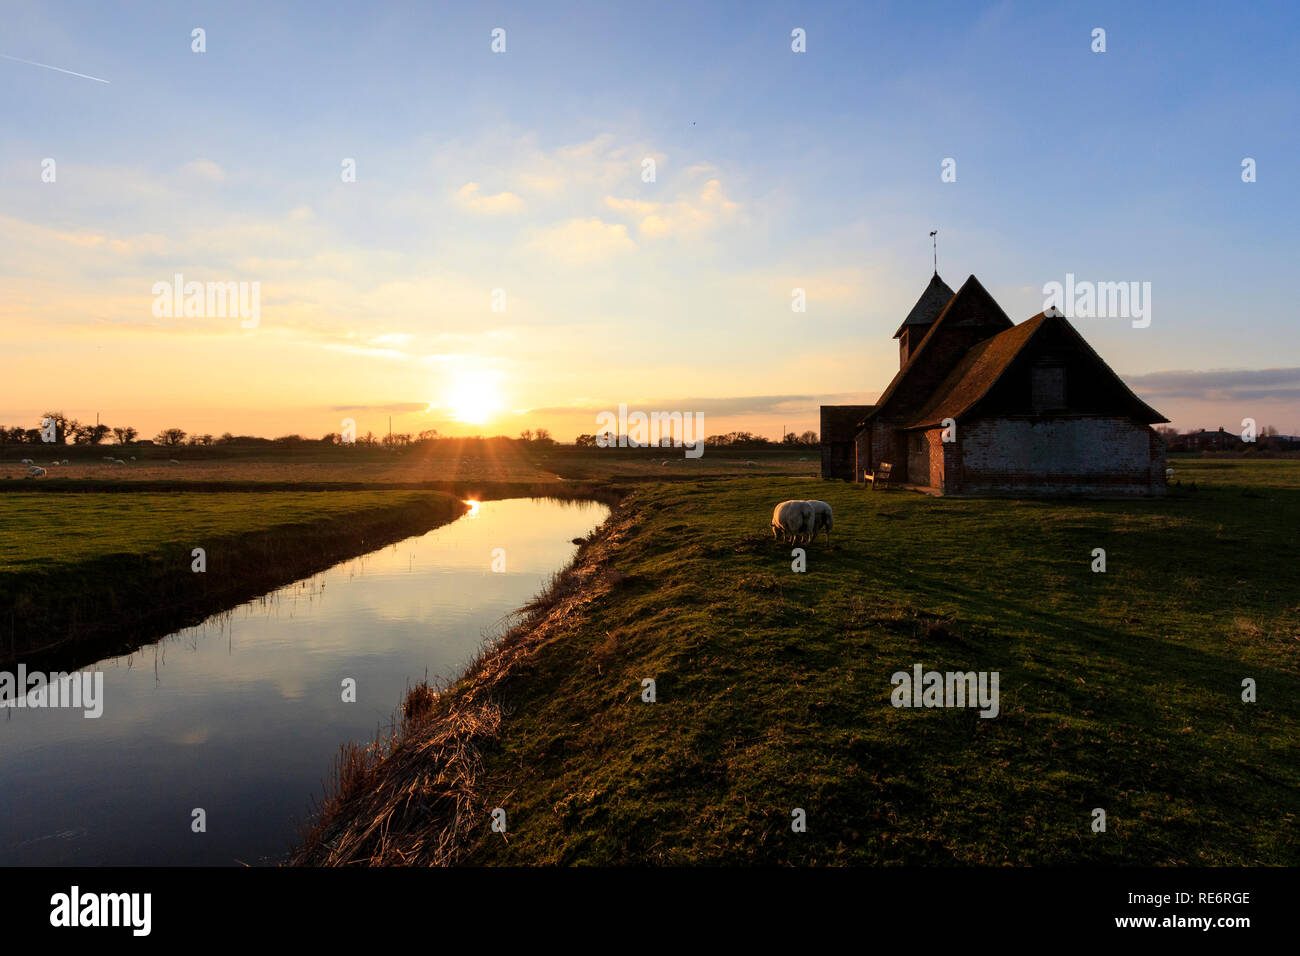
[(935, 242)]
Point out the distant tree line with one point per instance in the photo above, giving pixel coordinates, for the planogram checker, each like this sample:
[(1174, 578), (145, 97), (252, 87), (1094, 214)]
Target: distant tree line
[(1201, 439), (738, 440), (69, 431)]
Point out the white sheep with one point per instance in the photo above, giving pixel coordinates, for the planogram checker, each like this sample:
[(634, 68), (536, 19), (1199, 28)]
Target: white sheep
[(792, 520), (118, 461), (133, 457), (173, 461), (28, 461), (822, 518), (65, 461), (36, 471)]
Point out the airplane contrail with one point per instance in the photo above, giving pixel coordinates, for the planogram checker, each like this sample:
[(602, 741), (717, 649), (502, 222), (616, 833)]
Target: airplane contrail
[(48, 67)]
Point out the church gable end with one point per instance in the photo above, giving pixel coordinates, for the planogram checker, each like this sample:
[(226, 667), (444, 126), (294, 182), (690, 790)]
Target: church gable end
[(1058, 373)]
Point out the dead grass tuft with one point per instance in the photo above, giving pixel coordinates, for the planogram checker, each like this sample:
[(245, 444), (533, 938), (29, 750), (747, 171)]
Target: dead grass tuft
[(413, 798)]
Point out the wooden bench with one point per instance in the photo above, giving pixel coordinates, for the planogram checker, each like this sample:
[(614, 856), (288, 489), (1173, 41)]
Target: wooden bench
[(880, 476)]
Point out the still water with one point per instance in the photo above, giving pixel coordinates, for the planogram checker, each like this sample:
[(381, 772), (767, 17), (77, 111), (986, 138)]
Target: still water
[(243, 715)]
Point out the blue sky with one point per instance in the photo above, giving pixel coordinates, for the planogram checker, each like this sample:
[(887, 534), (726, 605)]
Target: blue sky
[(521, 171)]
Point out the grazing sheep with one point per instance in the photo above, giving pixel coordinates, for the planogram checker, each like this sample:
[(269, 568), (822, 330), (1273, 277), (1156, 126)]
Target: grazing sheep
[(133, 457), (173, 461), (36, 471), (55, 462), (792, 520), (751, 463), (65, 461), (822, 518), (118, 461), (28, 461)]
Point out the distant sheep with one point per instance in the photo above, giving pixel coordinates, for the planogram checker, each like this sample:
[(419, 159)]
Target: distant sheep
[(118, 461), (173, 461), (133, 457), (793, 520), (65, 461), (36, 471), (28, 461)]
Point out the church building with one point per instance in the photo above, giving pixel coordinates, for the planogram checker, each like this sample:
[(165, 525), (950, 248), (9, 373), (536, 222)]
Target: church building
[(982, 405)]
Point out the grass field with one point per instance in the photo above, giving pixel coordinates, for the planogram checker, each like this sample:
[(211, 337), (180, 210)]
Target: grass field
[(1119, 690), (77, 570), (504, 463)]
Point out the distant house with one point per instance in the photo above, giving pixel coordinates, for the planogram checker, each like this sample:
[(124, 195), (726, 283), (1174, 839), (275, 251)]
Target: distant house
[(1211, 441), (981, 405)]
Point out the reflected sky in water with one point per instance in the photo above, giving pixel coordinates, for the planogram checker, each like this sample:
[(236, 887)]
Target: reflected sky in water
[(243, 715)]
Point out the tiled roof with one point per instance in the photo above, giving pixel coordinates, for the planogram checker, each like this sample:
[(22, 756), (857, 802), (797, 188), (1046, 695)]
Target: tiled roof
[(929, 305), (981, 367), (976, 372), (970, 294)]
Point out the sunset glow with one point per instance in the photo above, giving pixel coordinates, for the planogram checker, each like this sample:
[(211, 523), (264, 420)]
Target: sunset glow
[(473, 398)]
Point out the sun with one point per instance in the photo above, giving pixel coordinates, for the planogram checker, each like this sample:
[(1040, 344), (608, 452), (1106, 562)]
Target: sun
[(473, 398)]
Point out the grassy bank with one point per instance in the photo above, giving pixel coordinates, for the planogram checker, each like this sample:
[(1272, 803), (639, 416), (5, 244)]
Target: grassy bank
[(83, 576), (413, 468), (1119, 690)]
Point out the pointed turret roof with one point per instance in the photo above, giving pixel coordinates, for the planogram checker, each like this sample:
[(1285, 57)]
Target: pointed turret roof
[(927, 308), (970, 305)]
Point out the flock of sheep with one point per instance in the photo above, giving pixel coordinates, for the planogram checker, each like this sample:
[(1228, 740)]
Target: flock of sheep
[(36, 471), (796, 520)]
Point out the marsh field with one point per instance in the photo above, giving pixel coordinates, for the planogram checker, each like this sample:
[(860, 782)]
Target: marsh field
[(1120, 690)]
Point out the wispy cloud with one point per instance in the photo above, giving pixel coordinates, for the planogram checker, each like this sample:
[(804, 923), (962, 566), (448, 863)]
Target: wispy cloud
[(580, 241), (718, 407), (394, 407), (704, 209), (204, 169), (470, 197), (1220, 385)]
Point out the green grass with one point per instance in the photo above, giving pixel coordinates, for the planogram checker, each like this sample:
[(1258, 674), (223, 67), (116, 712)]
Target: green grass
[(86, 574), (1118, 690), (52, 530)]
